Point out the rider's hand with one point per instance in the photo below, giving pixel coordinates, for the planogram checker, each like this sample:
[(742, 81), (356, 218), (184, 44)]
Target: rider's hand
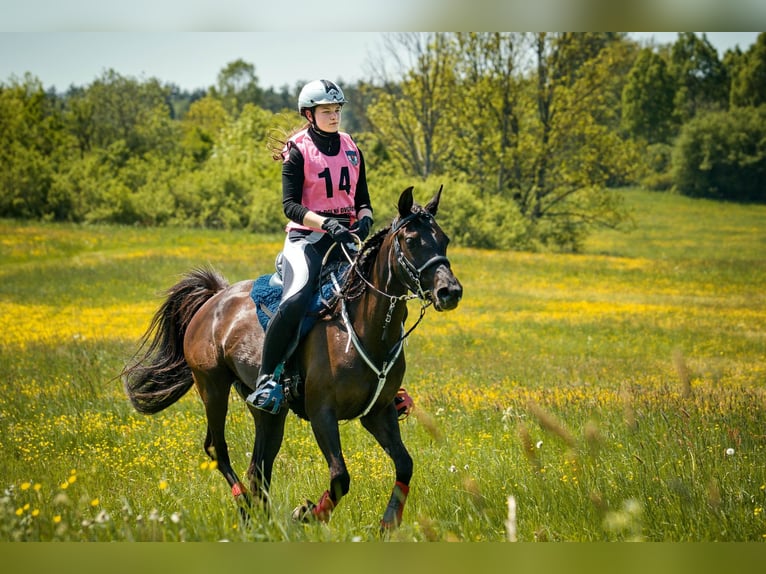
[(338, 231), (363, 227)]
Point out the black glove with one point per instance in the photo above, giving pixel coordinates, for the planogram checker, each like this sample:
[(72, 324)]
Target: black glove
[(338, 231), (363, 227)]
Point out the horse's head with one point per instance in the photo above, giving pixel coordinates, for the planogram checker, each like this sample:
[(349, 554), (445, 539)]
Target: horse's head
[(420, 250)]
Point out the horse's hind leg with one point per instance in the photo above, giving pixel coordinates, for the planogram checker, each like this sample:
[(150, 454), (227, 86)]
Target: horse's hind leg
[(384, 426), (215, 396), (269, 432)]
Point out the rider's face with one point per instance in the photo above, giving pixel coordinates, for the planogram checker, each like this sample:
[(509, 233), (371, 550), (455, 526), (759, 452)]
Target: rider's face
[(327, 117)]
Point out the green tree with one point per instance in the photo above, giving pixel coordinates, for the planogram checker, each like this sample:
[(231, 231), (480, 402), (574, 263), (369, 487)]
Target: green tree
[(410, 116), (239, 184), (277, 101), (129, 151), (701, 79), (34, 146), (536, 142), (647, 100), (486, 117), (119, 104), (237, 85), (748, 84), (571, 155), (79, 118), (202, 126)]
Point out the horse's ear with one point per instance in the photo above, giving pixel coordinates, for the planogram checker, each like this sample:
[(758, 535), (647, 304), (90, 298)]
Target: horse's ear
[(405, 202), (433, 205)]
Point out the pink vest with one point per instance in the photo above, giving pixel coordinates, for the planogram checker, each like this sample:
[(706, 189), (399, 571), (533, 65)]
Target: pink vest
[(329, 184)]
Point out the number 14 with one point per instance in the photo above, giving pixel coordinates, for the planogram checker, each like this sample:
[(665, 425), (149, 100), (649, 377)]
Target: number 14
[(344, 183)]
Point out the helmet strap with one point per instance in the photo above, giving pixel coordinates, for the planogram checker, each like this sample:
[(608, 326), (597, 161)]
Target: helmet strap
[(313, 119)]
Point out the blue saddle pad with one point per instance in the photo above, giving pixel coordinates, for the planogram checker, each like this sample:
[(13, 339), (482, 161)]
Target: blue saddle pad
[(267, 295)]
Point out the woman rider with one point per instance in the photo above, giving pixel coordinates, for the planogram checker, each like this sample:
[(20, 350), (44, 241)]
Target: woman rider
[(324, 196)]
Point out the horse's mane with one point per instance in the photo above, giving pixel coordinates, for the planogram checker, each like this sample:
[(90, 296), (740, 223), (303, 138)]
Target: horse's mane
[(361, 268), (356, 276)]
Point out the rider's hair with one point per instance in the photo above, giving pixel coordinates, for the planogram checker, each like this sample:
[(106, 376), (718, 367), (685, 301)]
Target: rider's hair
[(276, 141)]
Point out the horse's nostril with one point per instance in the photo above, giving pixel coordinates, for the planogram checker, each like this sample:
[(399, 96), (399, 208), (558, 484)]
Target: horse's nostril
[(448, 297)]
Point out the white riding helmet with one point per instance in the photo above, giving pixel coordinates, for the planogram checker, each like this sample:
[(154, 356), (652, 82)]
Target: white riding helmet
[(320, 92)]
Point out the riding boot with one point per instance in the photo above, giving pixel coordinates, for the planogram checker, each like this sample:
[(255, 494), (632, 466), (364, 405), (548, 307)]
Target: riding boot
[(268, 394)]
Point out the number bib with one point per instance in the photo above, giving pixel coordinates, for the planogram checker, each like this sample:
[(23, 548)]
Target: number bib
[(330, 182)]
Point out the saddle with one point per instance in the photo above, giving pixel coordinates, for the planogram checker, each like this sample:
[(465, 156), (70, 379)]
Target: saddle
[(266, 293)]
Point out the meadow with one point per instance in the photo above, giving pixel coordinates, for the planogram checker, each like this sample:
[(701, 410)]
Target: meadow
[(613, 395)]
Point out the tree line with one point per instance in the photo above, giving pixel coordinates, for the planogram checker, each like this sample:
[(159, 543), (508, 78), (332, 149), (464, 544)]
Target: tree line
[(529, 132)]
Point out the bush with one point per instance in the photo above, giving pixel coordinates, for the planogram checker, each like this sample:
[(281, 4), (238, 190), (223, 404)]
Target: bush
[(658, 160), (470, 219), (722, 155)]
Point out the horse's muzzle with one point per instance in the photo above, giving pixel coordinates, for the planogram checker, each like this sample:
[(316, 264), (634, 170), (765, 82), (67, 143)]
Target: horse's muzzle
[(447, 291)]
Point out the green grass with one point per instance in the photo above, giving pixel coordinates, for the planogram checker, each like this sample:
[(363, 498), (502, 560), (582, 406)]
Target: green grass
[(600, 390)]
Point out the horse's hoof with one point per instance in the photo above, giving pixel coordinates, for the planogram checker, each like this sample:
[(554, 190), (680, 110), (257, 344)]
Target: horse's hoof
[(305, 512)]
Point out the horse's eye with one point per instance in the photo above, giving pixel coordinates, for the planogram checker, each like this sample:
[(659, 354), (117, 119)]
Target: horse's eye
[(411, 241)]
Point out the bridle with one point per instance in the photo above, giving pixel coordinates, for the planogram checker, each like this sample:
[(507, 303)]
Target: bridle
[(413, 272), (414, 291)]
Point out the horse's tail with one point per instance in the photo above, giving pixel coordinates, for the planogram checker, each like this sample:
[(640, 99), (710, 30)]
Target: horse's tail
[(161, 375)]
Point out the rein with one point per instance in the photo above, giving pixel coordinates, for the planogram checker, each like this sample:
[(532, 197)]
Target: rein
[(414, 274)]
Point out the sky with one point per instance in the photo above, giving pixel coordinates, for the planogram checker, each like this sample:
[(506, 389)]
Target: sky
[(188, 59), (193, 60)]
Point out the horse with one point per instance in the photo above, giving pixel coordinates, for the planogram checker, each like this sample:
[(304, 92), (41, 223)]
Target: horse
[(349, 365)]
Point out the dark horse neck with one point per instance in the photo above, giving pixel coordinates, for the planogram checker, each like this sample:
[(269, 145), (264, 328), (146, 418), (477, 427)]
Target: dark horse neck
[(375, 322)]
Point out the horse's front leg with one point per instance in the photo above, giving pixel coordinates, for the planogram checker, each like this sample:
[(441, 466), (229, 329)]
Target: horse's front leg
[(325, 426), (384, 426)]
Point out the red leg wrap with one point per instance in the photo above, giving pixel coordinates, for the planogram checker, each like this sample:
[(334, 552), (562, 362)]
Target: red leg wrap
[(238, 489), (393, 515), (324, 507)]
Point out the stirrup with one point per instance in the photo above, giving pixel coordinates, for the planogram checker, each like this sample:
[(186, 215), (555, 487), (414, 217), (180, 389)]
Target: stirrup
[(267, 396)]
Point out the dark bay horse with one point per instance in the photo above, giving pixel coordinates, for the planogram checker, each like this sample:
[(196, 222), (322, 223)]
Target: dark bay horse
[(351, 362)]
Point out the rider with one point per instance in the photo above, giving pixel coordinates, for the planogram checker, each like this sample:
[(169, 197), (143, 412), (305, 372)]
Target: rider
[(325, 197)]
